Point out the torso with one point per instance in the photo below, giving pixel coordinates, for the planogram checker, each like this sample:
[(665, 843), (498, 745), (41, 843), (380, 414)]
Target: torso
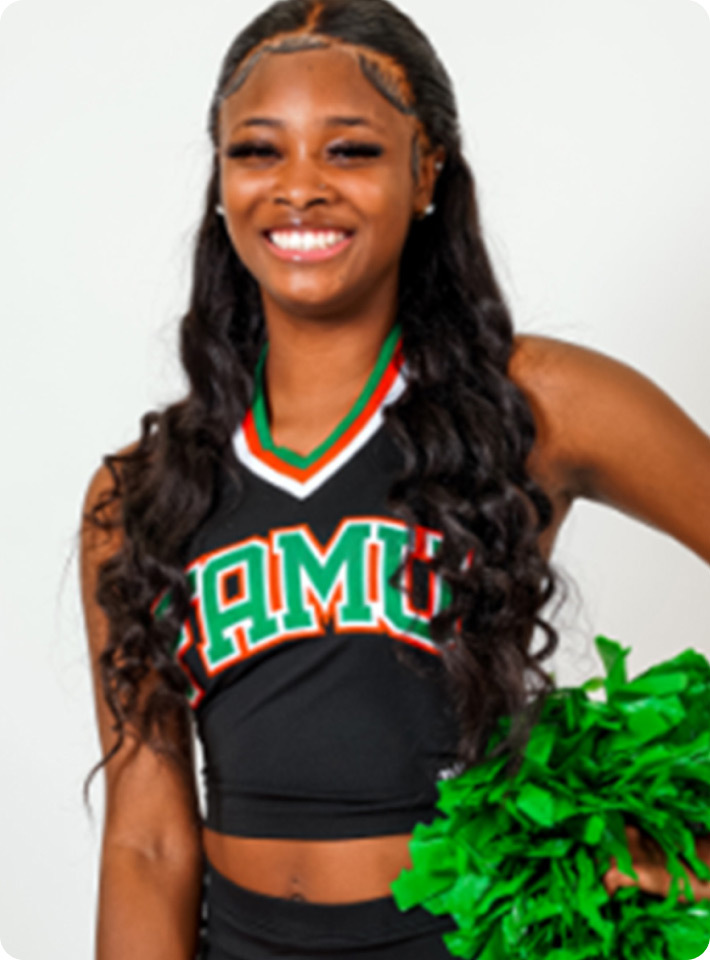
[(341, 871)]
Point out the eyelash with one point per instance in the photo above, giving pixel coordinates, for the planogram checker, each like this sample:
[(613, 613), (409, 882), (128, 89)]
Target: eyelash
[(263, 150)]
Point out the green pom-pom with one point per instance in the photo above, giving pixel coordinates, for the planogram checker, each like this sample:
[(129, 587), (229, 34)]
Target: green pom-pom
[(518, 861)]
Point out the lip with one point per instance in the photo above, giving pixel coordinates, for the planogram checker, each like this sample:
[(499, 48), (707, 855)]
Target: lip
[(307, 223), (301, 256)]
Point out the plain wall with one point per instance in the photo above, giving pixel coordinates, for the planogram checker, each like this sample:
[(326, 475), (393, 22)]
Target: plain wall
[(586, 126)]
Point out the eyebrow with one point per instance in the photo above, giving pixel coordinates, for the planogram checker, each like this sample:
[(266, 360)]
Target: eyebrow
[(335, 121)]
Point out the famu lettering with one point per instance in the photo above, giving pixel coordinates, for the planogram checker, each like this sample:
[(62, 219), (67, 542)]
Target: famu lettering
[(263, 591)]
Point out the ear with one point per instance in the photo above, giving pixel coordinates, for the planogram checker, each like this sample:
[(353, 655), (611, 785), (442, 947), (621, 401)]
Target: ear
[(430, 163)]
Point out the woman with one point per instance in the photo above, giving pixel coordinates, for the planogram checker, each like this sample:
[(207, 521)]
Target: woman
[(333, 553)]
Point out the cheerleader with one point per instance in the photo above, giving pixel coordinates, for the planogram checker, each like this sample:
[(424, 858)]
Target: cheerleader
[(327, 561)]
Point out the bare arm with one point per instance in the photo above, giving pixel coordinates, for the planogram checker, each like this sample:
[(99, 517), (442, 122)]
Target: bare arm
[(617, 438), (609, 434), (150, 877)]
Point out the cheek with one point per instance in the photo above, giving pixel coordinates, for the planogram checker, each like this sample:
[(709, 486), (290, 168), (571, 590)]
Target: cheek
[(240, 192), (241, 195), (384, 203), (387, 187)]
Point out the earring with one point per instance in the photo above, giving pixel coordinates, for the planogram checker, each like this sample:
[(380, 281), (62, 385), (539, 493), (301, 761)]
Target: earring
[(421, 214), (220, 210)]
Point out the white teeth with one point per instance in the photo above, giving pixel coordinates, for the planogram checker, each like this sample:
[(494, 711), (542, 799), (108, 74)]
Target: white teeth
[(305, 240)]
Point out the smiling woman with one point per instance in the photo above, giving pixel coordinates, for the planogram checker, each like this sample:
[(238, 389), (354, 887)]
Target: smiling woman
[(333, 553), (314, 168)]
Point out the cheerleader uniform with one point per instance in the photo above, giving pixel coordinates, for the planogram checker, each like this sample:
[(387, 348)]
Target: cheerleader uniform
[(319, 695)]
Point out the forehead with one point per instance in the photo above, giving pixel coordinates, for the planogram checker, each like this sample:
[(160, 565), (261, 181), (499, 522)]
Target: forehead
[(300, 86)]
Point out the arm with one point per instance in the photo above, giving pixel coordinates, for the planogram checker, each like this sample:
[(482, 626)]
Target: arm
[(611, 435), (617, 438), (151, 855), (649, 862)]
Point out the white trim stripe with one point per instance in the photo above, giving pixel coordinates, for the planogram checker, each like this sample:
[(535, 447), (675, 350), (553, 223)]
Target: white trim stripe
[(304, 489)]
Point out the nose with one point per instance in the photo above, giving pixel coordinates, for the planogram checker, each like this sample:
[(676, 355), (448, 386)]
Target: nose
[(301, 184)]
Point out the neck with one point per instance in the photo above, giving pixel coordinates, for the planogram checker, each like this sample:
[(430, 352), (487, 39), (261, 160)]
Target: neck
[(314, 372)]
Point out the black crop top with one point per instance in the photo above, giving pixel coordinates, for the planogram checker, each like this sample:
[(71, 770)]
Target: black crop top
[(312, 725)]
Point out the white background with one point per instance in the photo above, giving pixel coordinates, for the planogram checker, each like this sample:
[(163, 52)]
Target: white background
[(586, 126)]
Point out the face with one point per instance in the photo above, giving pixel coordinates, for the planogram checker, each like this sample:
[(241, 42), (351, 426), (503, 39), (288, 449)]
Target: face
[(316, 181)]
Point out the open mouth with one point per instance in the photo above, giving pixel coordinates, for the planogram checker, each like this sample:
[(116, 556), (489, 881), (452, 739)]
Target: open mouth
[(307, 244)]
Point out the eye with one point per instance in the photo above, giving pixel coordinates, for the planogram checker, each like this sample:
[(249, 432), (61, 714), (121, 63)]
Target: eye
[(351, 149), (250, 148)]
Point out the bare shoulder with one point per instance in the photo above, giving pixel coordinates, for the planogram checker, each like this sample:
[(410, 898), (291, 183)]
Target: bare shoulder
[(557, 377), (607, 432), (100, 529), (583, 400), (586, 402), (101, 480), (548, 366)]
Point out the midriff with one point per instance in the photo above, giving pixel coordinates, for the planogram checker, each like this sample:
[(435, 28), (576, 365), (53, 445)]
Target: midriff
[(321, 871)]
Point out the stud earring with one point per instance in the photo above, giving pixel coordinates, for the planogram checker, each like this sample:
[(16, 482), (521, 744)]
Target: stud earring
[(220, 210), (421, 214)]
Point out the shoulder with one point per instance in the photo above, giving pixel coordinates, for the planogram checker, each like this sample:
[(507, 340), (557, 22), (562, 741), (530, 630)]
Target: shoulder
[(102, 481), (585, 404), (546, 363), (555, 376), (610, 434), (100, 521)]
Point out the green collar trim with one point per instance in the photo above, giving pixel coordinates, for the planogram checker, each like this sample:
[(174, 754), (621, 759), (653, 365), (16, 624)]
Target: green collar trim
[(261, 420)]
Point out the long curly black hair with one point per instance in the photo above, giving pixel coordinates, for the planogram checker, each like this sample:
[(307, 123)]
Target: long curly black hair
[(465, 430)]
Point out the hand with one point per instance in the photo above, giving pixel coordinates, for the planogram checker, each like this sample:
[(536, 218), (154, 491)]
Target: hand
[(649, 862)]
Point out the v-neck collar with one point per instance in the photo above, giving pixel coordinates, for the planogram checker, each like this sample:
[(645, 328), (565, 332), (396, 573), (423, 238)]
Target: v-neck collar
[(301, 474)]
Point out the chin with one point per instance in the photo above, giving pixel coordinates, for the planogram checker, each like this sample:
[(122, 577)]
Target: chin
[(311, 309), (309, 302)]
